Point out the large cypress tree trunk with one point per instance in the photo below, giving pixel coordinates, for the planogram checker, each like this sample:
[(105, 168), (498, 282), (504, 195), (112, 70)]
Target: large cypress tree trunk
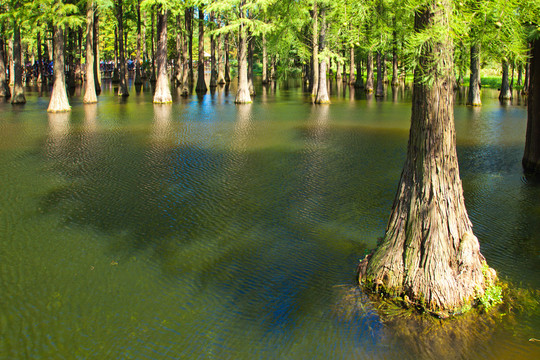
[(123, 87), (59, 100), (531, 157), (213, 64), (369, 73), (322, 90), (4, 87), (315, 50), (506, 93), (429, 255), (138, 74), (474, 83), (90, 96), (18, 90), (264, 61), (242, 94), (380, 77), (201, 83), (163, 92)]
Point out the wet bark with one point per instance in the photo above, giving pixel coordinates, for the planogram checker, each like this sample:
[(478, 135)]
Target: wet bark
[(4, 86), (380, 76), (59, 101), (473, 98), (123, 86), (163, 91), (315, 51), (322, 90), (369, 73), (531, 157), (138, 74), (429, 255), (90, 96), (18, 90), (201, 83), (506, 93)]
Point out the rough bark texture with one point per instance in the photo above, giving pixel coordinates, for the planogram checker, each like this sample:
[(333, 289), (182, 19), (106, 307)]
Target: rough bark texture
[(473, 98), (221, 63), (242, 94), (123, 86), (429, 255), (322, 90), (506, 92), (201, 83), (59, 101), (89, 85), (315, 55), (369, 73), (531, 157), (18, 90), (380, 76), (138, 74), (163, 92), (4, 87)]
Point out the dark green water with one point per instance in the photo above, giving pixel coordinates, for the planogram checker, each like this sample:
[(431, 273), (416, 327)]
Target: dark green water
[(206, 230)]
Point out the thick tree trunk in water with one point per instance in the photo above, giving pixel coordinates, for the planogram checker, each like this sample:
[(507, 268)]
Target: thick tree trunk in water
[(380, 77), (251, 45), (264, 61), (351, 66), (213, 64), (201, 83), (59, 100), (322, 90), (242, 95), (531, 157), (506, 93), (18, 90), (429, 255), (315, 51), (163, 92), (123, 87), (138, 74), (221, 63), (473, 98), (97, 72), (4, 87), (90, 96), (369, 73), (227, 64)]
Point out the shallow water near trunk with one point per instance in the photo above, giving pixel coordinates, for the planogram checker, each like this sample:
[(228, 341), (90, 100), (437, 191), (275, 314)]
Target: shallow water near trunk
[(205, 229)]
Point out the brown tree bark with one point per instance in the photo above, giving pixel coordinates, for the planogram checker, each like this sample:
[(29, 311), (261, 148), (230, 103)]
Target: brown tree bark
[(395, 71), (242, 94), (201, 83), (163, 92), (138, 74), (18, 89), (41, 77), (4, 87), (315, 50), (227, 74), (380, 76), (473, 98), (506, 93), (189, 29), (322, 90), (213, 64), (90, 96), (429, 255), (221, 63), (264, 61), (186, 68), (59, 101), (531, 157), (251, 45), (351, 66), (369, 73), (97, 72), (123, 86), (359, 83)]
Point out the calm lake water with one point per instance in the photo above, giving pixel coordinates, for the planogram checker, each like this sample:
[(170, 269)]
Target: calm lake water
[(206, 230)]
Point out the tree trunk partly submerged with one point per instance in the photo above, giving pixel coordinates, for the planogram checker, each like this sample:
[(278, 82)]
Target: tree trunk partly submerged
[(18, 90), (59, 101), (163, 92), (322, 90), (369, 73), (201, 83), (506, 92), (473, 98), (123, 87), (4, 87), (242, 94), (531, 157), (429, 255), (90, 96), (315, 51)]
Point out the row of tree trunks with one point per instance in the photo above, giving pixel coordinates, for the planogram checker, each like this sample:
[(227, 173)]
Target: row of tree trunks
[(251, 45), (531, 156), (380, 77)]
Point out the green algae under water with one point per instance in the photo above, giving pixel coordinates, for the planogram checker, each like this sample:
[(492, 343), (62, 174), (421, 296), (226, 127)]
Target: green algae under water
[(206, 230)]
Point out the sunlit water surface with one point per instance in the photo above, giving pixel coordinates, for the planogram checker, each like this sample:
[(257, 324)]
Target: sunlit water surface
[(206, 230)]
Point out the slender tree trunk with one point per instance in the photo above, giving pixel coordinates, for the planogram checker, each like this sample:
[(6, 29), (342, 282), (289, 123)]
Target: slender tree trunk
[(242, 95), (512, 79), (339, 73), (138, 74), (351, 66), (186, 68), (531, 157), (429, 255), (227, 63), (115, 76), (18, 89), (473, 98), (59, 100), (315, 50), (526, 81), (97, 72), (90, 96), (359, 83), (380, 77), (322, 91), (163, 92), (369, 73), (4, 87), (221, 64), (506, 93), (520, 75), (201, 83), (189, 28), (40, 58), (213, 69), (10, 62), (250, 44), (68, 53), (152, 43), (123, 87), (395, 71), (264, 61), (179, 66), (144, 75)]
